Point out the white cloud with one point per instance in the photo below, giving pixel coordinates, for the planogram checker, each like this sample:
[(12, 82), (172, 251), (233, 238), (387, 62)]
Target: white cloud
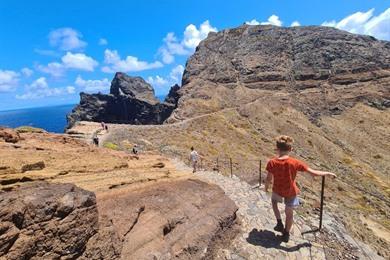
[(70, 89), (273, 20), (130, 64), (27, 72), (40, 89), (66, 39), (172, 47), (164, 83), (103, 41), (253, 22), (157, 81), (192, 36), (79, 61), (93, 85), (8, 80), (176, 74), (54, 68), (365, 23), (295, 23)]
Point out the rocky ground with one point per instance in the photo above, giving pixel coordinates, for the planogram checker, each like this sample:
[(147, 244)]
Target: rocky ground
[(136, 207)]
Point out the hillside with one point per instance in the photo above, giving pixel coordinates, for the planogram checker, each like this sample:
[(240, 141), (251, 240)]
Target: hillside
[(326, 88)]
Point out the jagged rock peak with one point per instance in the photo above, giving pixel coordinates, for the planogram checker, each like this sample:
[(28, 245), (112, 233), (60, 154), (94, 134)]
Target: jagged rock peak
[(135, 87), (173, 95)]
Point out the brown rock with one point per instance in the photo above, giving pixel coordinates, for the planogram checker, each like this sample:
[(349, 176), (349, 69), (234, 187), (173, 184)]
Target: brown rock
[(158, 165), (9, 135), (46, 221), (33, 166), (180, 219)]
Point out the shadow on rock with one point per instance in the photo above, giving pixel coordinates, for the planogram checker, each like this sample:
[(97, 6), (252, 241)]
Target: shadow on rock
[(268, 239)]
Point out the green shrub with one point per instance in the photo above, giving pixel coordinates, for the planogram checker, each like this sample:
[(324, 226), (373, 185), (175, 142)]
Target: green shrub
[(110, 145), (29, 129)]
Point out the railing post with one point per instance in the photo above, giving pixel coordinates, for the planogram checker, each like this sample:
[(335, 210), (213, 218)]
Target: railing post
[(231, 168), (322, 201), (259, 174)]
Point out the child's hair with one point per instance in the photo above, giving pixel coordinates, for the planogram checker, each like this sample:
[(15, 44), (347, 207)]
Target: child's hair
[(192, 148), (284, 142)]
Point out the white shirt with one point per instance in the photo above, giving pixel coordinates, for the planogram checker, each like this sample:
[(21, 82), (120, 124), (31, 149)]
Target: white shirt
[(194, 156)]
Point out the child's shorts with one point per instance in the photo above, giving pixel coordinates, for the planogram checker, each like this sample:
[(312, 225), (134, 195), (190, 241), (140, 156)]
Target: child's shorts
[(292, 202)]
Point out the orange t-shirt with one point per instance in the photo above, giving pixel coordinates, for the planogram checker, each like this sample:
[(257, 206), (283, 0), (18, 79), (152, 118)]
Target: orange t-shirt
[(284, 172)]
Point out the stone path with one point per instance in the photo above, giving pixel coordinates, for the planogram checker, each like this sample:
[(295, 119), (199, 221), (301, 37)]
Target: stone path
[(258, 240)]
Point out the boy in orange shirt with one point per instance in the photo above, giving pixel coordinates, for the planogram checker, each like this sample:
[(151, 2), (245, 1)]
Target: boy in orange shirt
[(283, 170)]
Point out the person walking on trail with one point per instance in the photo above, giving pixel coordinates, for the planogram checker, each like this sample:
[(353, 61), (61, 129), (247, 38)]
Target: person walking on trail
[(102, 125), (95, 139), (194, 158), (283, 170)]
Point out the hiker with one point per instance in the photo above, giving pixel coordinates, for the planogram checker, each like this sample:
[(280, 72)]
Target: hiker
[(103, 125), (194, 157), (95, 139), (135, 149), (282, 170), (106, 127)]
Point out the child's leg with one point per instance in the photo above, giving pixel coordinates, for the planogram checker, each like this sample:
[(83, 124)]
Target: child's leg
[(276, 209), (289, 218)]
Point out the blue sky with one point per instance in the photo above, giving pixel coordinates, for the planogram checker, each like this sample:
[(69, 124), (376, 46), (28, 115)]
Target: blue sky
[(52, 50)]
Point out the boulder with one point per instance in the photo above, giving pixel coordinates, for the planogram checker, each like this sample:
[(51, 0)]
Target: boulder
[(42, 220), (9, 135), (33, 166)]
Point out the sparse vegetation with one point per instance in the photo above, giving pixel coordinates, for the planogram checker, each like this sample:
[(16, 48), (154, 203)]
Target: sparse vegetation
[(111, 146), (29, 129)]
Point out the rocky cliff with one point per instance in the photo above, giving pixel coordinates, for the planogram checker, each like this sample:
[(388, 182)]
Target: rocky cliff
[(318, 70), (131, 101)]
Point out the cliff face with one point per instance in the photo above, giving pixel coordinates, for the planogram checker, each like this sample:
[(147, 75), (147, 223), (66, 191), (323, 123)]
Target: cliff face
[(131, 101), (318, 70)]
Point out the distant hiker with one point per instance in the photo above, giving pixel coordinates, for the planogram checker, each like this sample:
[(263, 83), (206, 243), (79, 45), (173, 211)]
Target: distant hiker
[(283, 170), (106, 127), (135, 149), (95, 139), (103, 125), (194, 158)]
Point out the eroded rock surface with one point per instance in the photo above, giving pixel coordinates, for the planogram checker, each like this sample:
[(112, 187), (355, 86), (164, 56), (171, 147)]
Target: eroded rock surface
[(46, 221), (131, 101), (318, 70), (185, 219)]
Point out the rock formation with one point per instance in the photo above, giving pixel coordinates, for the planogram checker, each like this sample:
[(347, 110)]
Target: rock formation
[(46, 221), (131, 101), (318, 70)]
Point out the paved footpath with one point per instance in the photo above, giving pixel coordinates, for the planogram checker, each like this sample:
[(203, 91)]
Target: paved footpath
[(258, 240)]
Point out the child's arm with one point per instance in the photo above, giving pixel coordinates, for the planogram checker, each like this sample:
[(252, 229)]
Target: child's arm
[(268, 181), (320, 173)]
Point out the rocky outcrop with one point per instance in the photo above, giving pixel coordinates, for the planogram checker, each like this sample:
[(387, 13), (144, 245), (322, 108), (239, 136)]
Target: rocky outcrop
[(51, 221), (9, 135), (46, 221), (185, 219), (131, 101), (319, 70)]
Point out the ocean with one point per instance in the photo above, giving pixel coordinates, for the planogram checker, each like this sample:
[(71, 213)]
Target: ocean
[(52, 119)]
